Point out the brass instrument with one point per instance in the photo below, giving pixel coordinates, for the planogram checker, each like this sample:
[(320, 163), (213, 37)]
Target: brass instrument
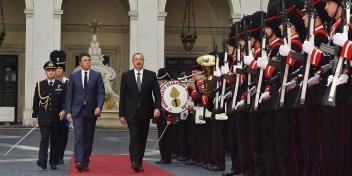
[(208, 64), (188, 78)]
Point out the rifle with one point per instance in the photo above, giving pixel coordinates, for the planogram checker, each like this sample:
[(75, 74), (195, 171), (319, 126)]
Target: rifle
[(237, 69), (330, 96), (287, 39), (249, 75), (226, 64), (261, 72), (310, 38)]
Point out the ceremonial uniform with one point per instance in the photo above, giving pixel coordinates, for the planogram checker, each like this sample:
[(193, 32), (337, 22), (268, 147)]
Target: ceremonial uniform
[(163, 123), (309, 114), (48, 101), (335, 121), (59, 59)]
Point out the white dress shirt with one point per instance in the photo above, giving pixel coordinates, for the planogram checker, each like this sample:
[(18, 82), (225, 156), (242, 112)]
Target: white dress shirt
[(136, 74), (82, 72), (51, 80)]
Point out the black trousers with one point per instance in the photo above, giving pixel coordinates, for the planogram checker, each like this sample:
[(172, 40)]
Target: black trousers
[(245, 145), (233, 144), (138, 130), (165, 143), (311, 143), (62, 140), (49, 135), (271, 161), (182, 139), (191, 138), (286, 142), (217, 144), (336, 138), (201, 143), (257, 140)]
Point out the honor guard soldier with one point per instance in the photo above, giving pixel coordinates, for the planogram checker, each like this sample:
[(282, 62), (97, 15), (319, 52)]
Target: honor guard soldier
[(287, 138), (336, 132), (258, 43), (312, 95), (232, 44), (59, 58), (165, 119), (271, 85), (48, 103)]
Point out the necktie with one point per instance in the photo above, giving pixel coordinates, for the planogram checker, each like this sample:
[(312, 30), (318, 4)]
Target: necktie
[(139, 82), (85, 84), (51, 84)]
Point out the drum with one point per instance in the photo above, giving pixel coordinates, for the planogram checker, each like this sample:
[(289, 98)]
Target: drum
[(174, 96)]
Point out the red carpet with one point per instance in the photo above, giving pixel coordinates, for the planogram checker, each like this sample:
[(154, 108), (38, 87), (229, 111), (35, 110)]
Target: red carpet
[(117, 165)]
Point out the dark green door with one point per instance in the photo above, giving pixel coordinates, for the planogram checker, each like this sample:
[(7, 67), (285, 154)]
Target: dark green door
[(8, 83)]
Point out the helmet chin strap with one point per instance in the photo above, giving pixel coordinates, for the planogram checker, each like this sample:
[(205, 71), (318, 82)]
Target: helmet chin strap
[(337, 8)]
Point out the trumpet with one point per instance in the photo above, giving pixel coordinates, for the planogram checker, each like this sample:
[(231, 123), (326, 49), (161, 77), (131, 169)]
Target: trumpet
[(185, 78)]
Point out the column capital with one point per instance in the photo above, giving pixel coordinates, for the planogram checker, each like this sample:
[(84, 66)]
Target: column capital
[(133, 15), (162, 16), (235, 17), (29, 13)]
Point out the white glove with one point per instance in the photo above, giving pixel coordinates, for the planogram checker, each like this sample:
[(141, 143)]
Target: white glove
[(225, 70), (284, 50), (330, 78), (240, 104), (290, 85), (217, 73), (228, 95), (313, 80), (342, 79), (248, 59), (308, 46), (262, 62), (253, 90), (340, 39), (264, 97)]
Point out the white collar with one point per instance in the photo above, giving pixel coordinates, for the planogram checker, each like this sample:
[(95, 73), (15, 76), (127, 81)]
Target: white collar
[(82, 71), (136, 71)]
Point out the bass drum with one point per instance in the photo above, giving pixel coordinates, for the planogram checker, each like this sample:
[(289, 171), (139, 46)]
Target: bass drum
[(174, 96)]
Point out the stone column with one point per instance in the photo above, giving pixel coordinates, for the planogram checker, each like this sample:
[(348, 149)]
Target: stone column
[(148, 32), (39, 44), (133, 34), (57, 24), (161, 39)]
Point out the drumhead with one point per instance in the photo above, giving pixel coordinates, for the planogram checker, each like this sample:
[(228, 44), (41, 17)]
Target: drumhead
[(174, 96)]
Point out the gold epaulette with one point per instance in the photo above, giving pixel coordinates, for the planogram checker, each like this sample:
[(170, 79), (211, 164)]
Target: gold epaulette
[(43, 100)]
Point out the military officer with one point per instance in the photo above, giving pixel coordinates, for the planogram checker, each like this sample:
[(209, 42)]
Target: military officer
[(48, 102)]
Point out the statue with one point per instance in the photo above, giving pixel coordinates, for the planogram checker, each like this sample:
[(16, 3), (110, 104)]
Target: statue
[(107, 72)]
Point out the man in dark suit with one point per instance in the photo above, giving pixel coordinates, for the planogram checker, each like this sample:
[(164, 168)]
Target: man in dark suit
[(138, 86), (48, 100), (84, 102)]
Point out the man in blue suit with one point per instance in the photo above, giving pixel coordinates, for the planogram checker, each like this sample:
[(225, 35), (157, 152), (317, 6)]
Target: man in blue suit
[(84, 102)]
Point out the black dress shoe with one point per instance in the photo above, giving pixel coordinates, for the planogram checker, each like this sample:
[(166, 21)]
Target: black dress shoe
[(162, 161), (181, 159), (191, 162), (60, 162), (41, 164), (206, 166), (85, 169), (141, 168), (229, 173), (79, 166), (135, 167), (216, 168), (53, 167)]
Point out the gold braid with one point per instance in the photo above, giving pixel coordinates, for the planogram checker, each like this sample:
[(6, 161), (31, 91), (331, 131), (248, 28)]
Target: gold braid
[(43, 100)]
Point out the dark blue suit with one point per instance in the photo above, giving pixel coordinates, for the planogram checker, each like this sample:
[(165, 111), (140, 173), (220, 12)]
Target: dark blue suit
[(81, 103)]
